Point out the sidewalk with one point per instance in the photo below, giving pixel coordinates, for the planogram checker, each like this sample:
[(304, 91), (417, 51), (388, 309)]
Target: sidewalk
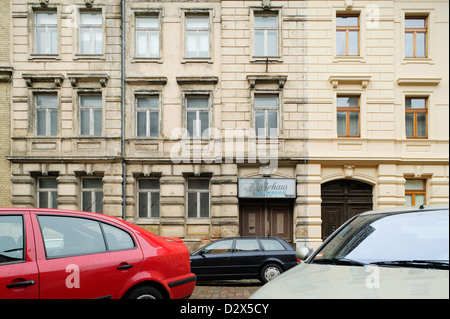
[(226, 289)]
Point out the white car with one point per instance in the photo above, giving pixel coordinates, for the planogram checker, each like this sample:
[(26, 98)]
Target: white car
[(396, 253)]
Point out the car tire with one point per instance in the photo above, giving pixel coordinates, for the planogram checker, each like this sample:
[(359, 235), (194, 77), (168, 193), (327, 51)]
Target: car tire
[(270, 272), (145, 292)]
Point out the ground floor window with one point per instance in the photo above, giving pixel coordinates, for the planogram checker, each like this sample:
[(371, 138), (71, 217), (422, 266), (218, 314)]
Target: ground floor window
[(415, 192), (198, 198), (92, 195), (148, 197)]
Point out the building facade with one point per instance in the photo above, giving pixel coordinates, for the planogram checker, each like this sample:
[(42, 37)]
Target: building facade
[(5, 85), (207, 119)]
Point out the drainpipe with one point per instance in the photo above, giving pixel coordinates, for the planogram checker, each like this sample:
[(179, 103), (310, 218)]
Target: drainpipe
[(124, 164)]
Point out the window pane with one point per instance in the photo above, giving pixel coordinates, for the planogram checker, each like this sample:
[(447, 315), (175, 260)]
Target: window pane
[(60, 239), (12, 239), (204, 122), (147, 22), (141, 124), (148, 102), (354, 123), (272, 123), (266, 102), (190, 123), (199, 102), (46, 18), (154, 124), (197, 23), (415, 23), (154, 44), (421, 50), (408, 199), (415, 184), (117, 239), (53, 40), (419, 200), (46, 100), (143, 205), (141, 43), (341, 43), (343, 21), (204, 205), (149, 184), (191, 44), (247, 245), (99, 202), (43, 200), (353, 43), (203, 46), (54, 201), (271, 245), (98, 41), (347, 101), (97, 122), (155, 205), (93, 183), (421, 125), (85, 122), (220, 247), (91, 19), (416, 103), (409, 45), (409, 123), (342, 123), (48, 183), (260, 126), (91, 100), (41, 129), (198, 184), (266, 21), (272, 43), (53, 122), (87, 201), (192, 204), (85, 41), (259, 43)]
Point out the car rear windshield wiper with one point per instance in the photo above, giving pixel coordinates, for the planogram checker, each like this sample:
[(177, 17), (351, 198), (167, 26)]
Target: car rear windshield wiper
[(427, 264), (338, 261)]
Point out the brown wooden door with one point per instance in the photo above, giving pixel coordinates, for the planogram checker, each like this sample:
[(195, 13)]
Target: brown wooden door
[(252, 217), (281, 221), (341, 200)]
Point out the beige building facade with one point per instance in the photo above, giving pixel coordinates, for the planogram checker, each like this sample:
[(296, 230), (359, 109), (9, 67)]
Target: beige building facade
[(226, 118)]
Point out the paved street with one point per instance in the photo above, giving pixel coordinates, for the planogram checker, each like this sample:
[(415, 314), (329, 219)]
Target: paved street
[(226, 289)]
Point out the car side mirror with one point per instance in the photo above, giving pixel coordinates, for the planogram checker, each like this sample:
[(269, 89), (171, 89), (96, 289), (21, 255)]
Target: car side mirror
[(303, 253)]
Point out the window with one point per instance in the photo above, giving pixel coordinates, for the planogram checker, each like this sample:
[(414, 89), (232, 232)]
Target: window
[(416, 117), (91, 115), (415, 192), (46, 33), (116, 238), (244, 245), (91, 33), (348, 116), (266, 35), (147, 109), (148, 197), (266, 115), (197, 115), (47, 192), (92, 195), (271, 245), (198, 198), (416, 37), (197, 36), (147, 36), (347, 35), (11, 239), (219, 247), (46, 114)]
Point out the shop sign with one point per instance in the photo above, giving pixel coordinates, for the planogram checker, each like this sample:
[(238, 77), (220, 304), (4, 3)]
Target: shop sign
[(267, 188)]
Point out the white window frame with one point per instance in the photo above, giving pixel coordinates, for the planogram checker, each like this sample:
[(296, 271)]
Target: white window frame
[(48, 117), (149, 192), (52, 193), (198, 133), (93, 191), (198, 31), (266, 30), (148, 111), (266, 110), (91, 114), (148, 31), (198, 193), (48, 28), (91, 28)]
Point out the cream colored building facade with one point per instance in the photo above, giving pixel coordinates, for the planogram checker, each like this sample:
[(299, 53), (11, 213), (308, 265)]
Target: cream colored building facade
[(238, 118)]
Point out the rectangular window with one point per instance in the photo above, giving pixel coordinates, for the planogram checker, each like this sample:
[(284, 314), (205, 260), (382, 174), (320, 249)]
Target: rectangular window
[(266, 35), (46, 114), (416, 117), (348, 116), (91, 115), (12, 239), (47, 192), (266, 115), (91, 33), (197, 36), (46, 33), (148, 197), (92, 195), (147, 36), (416, 29), (147, 114), (198, 198), (197, 115), (415, 192), (347, 35)]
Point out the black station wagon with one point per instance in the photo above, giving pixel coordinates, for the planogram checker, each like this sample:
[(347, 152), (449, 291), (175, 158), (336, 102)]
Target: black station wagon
[(264, 258)]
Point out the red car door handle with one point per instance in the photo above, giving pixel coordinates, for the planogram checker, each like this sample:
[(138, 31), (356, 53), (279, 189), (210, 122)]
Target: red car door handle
[(124, 266), (21, 284)]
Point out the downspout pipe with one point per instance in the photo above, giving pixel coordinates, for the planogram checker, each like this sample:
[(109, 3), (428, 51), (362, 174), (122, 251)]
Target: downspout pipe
[(124, 164)]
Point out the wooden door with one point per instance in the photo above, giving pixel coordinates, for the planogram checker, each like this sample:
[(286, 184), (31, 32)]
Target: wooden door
[(281, 221), (252, 219), (341, 200)]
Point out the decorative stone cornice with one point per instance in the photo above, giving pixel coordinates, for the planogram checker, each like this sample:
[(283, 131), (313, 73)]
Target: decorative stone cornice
[(32, 78)]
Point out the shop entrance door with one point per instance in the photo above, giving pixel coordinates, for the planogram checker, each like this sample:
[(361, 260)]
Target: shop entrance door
[(267, 218)]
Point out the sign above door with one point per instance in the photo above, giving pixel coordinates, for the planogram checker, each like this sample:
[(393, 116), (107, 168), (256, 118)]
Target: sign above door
[(267, 188)]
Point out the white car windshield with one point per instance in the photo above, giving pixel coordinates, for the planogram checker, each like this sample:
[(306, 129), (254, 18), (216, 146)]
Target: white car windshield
[(419, 238)]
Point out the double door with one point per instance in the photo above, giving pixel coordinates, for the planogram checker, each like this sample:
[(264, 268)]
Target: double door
[(266, 217)]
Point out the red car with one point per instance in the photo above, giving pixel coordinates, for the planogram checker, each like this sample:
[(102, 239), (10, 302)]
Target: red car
[(56, 254)]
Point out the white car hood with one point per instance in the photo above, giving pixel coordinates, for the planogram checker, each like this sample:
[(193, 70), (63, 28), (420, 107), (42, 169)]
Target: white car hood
[(312, 281)]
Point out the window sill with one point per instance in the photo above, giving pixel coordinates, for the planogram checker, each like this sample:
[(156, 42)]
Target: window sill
[(89, 57), (266, 59), (417, 61), (349, 59), (197, 60), (147, 60), (46, 57)]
